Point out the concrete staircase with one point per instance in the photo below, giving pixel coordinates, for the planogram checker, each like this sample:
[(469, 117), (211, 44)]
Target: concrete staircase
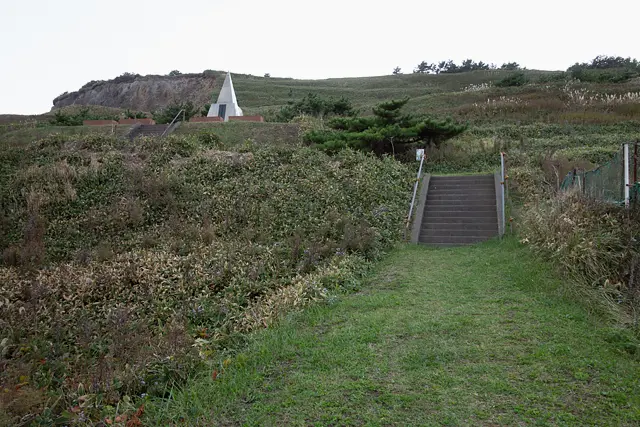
[(149, 130), (459, 210)]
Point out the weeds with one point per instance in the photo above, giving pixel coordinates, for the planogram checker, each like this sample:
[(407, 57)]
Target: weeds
[(136, 244), (594, 243)]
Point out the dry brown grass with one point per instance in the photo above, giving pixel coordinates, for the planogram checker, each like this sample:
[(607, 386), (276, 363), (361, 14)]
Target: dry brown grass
[(595, 245)]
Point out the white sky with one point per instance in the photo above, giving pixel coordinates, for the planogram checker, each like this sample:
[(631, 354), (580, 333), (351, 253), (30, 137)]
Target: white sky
[(49, 46)]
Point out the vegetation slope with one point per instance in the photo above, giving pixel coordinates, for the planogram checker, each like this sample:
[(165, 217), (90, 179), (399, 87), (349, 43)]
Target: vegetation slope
[(125, 266), (463, 337)]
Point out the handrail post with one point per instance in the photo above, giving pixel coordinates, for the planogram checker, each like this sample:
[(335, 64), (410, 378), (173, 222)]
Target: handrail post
[(502, 187), (415, 190), (626, 175)]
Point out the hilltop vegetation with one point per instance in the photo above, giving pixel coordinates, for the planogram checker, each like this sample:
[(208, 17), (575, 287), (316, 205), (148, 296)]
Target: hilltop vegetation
[(126, 266), (548, 96)]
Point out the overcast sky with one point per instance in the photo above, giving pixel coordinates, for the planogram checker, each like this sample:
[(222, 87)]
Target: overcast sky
[(49, 47)]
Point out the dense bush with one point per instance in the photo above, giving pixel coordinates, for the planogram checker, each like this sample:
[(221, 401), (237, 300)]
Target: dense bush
[(606, 69), (604, 62), (595, 244), (91, 85), (157, 255), (515, 79), (603, 76), (134, 114), (551, 78), (61, 118), (167, 114), (510, 66), (388, 131), (125, 78), (316, 106), (204, 111)]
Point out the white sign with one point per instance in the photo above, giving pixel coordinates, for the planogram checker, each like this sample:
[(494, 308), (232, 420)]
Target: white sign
[(419, 154)]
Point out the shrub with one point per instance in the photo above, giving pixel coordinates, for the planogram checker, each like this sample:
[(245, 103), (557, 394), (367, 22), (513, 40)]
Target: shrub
[(91, 85), (204, 111), (593, 242), (387, 132), (515, 79), (168, 252), (316, 106), (61, 118), (167, 114), (553, 77), (603, 76), (209, 139), (606, 69), (126, 78), (134, 114), (510, 66)]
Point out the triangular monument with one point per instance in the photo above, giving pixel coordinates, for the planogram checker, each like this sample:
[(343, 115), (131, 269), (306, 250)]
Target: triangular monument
[(227, 104)]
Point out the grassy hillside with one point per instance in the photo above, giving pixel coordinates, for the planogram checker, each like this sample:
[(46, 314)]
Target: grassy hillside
[(544, 97), (475, 336), (126, 266), (460, 95)]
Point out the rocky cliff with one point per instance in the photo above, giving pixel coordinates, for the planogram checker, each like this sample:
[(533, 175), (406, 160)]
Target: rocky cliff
[(145, 93)]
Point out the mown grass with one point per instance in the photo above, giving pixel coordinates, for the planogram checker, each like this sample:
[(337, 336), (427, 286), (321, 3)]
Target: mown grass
[(467, 336)]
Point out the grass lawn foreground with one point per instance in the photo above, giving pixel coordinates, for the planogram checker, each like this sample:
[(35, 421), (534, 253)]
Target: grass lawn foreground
[(477, 335)]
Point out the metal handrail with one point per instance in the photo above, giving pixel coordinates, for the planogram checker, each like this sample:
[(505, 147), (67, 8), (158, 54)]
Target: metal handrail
[(415, 190), (171, 124), (503, 183)]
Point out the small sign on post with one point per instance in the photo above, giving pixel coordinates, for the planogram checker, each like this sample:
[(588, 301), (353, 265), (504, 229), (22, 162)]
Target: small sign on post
[(419, 154)]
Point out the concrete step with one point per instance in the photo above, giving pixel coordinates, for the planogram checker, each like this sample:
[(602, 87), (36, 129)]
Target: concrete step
[(148, 130), (463, 184), (453, 240), (445, 245), (430, 215), (455, 185), (458, 233), (460, 177), (469, 225), (459, 190), (459, 210), (460, 202), (462, 190), (446, 207), (431, 197)]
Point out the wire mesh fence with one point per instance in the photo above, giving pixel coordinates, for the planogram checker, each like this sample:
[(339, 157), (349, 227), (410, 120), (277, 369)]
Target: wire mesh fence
[(615, 181)]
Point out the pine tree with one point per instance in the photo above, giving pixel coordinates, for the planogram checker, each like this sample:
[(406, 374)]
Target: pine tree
[(388, 131), (422, 68)]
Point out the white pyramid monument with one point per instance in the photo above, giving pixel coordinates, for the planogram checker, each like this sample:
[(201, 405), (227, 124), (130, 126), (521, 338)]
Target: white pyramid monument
[(227, 104)]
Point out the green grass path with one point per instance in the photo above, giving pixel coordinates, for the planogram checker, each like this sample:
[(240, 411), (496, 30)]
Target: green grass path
[(466, 336)]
